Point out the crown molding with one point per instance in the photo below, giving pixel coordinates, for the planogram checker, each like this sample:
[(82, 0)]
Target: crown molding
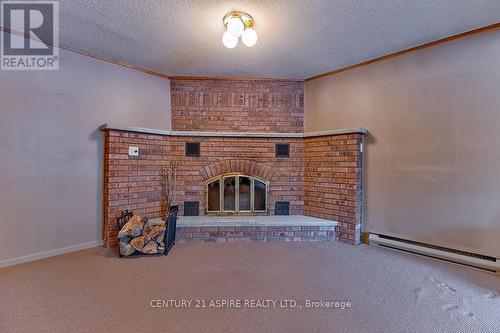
[(88, 54), (233, 78), (412, 49)]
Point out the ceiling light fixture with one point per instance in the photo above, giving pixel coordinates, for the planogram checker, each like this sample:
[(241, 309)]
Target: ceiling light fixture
[(238, 24)]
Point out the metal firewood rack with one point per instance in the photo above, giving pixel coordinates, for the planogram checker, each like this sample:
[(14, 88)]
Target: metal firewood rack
[(169, 237)]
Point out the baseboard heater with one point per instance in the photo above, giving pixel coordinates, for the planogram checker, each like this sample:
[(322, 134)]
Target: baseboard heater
[(489, 264)]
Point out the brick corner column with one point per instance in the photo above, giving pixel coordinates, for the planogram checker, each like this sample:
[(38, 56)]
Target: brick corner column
[(107, 227), (333, 182), (132, 182)]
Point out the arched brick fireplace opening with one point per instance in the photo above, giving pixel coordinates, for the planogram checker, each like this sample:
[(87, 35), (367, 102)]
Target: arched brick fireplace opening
[(247, 167)]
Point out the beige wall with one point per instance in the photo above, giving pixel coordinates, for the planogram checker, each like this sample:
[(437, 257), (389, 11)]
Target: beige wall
[(433, 154), (51, 148)]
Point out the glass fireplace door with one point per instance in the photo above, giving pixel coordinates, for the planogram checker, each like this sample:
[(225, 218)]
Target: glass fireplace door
[(230, 194), (244, 193), (235, 194)]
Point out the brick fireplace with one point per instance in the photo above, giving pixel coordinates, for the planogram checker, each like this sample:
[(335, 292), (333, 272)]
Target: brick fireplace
[(241, 137)]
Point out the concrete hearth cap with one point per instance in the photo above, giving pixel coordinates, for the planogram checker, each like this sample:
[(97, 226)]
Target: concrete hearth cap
[(109, 126)]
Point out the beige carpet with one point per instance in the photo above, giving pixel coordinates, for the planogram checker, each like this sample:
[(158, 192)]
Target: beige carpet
[(93, 291)]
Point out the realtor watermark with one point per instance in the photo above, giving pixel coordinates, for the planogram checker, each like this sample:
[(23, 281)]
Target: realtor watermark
[(30, 33), (195, 303)]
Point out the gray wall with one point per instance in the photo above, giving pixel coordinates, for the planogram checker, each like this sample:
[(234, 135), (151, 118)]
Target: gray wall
[(433, 154), (51, 148)]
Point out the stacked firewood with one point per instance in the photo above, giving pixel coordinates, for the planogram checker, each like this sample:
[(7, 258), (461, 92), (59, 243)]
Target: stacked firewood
[(142, 235)]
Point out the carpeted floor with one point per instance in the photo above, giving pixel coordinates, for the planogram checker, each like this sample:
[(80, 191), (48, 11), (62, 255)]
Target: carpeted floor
[(93, 291)]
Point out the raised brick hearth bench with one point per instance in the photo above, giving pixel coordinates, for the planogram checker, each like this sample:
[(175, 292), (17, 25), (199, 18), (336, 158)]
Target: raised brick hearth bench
[(254, 229)]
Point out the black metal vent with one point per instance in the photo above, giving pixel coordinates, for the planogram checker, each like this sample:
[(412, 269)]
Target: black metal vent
[(282, 150), (193, 149), (191, 208), (282, 208)]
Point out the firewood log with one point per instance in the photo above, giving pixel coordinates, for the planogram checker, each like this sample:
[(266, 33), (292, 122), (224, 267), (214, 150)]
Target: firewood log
[(138, 243), (150, 224), (157, 233), (150, 248), (133, 227), (126, 248)]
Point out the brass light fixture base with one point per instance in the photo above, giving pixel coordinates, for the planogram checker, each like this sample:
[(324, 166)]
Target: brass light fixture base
[(247, 19)]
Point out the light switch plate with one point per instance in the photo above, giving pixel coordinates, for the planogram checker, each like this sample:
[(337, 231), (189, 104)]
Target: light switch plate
[(133, 151)]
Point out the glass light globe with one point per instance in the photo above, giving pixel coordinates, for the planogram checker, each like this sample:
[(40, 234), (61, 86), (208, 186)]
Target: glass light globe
[(235, 26), (229, 40), (249, 37)]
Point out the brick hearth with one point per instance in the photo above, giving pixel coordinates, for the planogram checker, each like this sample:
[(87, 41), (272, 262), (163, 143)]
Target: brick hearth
[(254, 228)]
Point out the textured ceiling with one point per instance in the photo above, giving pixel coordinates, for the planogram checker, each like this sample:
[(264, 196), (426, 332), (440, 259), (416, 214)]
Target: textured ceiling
[(297, 38)]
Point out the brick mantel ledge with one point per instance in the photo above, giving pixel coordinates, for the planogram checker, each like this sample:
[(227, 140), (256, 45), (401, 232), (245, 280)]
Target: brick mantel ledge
[(110, 126)]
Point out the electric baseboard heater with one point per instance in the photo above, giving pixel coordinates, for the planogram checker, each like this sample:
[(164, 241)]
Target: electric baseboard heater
[(489, 264)]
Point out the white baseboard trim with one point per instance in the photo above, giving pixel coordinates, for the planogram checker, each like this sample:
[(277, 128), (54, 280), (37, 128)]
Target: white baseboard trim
[(47, 254)]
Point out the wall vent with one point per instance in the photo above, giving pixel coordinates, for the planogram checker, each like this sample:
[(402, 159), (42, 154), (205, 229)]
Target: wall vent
[(282, 150), (282, 208), (191, 208), (193, 149)]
